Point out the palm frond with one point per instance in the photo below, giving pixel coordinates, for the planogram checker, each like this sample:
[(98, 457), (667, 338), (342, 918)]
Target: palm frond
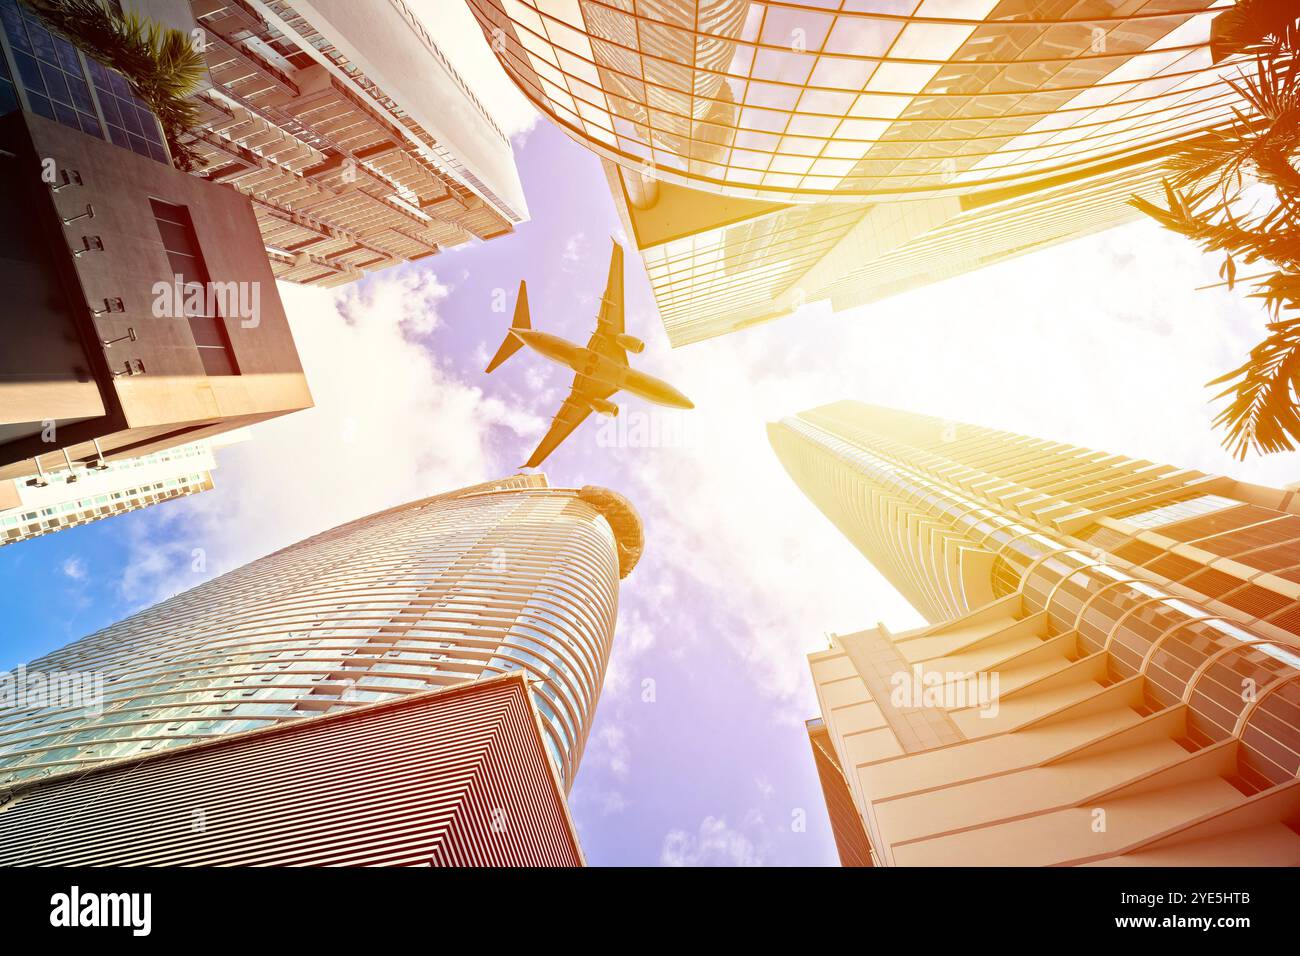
[(1261, 414), (1203, 201), (162, 66), (1252, 26), (1217, 228)]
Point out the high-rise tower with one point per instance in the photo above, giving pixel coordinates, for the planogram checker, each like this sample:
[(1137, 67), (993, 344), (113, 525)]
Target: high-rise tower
[(511, 575), (416, 687), (765, 154), (359, 143), (1111, 673), (66, 497)]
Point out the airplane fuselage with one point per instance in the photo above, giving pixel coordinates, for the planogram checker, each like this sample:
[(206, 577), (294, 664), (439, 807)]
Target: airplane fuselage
[(600, 368)]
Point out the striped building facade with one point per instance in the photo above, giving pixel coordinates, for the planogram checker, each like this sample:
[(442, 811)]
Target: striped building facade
[(454, 777), (1111, 673)]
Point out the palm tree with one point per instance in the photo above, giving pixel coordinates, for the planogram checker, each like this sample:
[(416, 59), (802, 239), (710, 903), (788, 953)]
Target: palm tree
[(1212, 198), (164, 67)]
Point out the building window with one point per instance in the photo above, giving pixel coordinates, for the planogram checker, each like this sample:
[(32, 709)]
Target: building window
[(130, 124), (186, 259), (8, 93), (1159, 515), (55, 79)]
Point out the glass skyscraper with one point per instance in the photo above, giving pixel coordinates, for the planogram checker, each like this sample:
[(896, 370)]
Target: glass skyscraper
[(769, 154), (783, 100), (512, 575)]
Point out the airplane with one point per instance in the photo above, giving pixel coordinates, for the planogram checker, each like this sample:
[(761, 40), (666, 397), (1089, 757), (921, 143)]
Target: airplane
[(599, 370)]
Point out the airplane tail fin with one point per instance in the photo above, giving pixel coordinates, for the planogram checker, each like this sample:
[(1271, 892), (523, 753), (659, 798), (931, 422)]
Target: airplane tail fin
[(512, 344)]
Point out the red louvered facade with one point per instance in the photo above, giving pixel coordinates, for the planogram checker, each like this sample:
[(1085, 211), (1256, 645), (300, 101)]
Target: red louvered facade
[(453, 777)]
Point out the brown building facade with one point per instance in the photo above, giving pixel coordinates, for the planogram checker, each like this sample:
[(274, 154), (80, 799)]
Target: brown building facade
[(109, 350)]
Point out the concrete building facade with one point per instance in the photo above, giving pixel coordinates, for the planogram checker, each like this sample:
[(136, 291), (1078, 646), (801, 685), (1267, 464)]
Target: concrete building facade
[(1111, 672), (355, 140), (346, 125), (142, 311), (67, 497)]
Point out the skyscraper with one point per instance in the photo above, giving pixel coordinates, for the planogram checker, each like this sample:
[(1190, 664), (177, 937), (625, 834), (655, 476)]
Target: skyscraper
[(356, 139), (765, 154), (67, 497), (1111, 672), (510, 576), (718, 264)]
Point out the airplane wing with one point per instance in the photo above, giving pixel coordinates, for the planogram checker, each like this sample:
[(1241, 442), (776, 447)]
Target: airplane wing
[(572, 413), (609, 324), (610, 321)]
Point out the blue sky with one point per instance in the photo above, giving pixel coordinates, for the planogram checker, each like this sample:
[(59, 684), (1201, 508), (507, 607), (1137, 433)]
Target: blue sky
[(1102, 342)]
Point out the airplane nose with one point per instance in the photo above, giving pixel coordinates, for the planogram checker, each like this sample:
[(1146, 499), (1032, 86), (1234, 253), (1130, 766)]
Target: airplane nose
[(680, 400)]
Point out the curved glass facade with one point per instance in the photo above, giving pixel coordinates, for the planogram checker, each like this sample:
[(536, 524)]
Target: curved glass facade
[(508, 576), (862, 99)]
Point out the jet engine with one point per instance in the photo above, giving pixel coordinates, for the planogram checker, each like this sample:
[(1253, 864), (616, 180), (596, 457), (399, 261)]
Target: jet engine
[(630, 342), (602, 407)]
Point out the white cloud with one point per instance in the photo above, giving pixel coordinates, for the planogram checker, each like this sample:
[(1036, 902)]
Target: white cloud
[(390, 424), (536, 378), (573, 247), (611, 749), (634, 636), (714, 844), (162, 559), (602, 801), (613, 802), (74, 568)]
